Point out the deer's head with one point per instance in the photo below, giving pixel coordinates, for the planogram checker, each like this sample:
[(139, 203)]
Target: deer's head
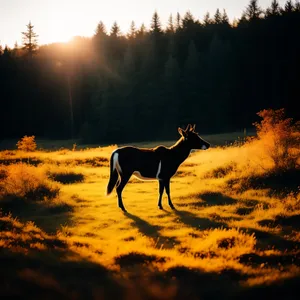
[(192, 138)]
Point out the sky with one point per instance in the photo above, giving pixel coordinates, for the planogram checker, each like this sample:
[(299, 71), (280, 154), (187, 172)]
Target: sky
[(60, 20)]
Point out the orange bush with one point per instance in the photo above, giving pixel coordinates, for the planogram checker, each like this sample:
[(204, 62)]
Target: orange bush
[(27, 143), (281, 137)]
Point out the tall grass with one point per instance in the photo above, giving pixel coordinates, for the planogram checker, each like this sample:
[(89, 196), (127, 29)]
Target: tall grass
[(268, 161), (26, 182)]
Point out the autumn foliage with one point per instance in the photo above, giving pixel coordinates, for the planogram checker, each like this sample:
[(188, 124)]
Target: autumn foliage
[(27, 143), (281, 137)]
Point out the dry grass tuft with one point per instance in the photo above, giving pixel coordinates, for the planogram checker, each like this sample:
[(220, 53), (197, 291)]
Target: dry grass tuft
[(222, 171), (26, 182), (22, 237)]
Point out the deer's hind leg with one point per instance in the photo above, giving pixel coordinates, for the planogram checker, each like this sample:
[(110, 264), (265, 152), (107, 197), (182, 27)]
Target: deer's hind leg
[(124, 177), (161, 191), (167, 187)]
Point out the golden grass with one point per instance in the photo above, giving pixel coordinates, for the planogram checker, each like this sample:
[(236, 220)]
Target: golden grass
[(27, 182), (218, 228)]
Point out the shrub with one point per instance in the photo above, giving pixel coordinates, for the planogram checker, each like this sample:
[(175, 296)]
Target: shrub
[(26, 182), (281, 138), (27, 143)]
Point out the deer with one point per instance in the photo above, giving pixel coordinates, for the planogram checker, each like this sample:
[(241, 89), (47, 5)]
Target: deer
[(159, 163)]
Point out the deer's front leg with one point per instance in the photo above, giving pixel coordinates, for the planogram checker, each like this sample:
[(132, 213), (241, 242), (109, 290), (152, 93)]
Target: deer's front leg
[(161, 191), (167, 186)]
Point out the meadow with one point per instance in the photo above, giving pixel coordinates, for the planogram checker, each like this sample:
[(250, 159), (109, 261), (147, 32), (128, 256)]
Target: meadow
[(235, 232)]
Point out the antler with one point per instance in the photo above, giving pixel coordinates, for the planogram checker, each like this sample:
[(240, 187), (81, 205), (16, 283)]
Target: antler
[(188, 128)]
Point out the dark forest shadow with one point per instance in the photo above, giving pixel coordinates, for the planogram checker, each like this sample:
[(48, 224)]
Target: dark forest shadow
[(152, 231), (194, 221)]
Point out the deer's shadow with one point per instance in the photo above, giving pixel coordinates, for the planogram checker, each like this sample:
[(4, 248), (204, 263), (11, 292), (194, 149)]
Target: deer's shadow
[(192, 220), (152, 232)]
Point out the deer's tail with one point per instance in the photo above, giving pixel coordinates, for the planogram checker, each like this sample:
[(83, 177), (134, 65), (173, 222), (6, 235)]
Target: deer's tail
[(114, 175)]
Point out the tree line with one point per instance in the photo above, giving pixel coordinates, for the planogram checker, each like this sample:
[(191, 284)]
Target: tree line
[(114, 88)]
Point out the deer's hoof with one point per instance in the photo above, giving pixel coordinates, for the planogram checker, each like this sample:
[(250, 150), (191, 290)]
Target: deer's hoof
[(173, 207), (160, 207)]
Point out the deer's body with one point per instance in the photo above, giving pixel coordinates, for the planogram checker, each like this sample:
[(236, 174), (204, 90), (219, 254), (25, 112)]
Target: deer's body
[(159, 163)]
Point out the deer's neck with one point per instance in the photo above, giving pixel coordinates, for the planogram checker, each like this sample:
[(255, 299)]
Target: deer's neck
[(181, 150)]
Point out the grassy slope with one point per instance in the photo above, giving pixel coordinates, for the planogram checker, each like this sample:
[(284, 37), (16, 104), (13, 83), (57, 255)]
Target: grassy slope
[(218, 241)]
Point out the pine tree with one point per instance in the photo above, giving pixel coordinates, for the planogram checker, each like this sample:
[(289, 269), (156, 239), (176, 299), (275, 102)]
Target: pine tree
[(170, 26), (114, 47), (132, 30), (178, 21), (6, 52), (253, 11), (218, 17), (243, 20), (142, 31), (100, 30), (225, 19), (171, 36), (30, 40), (274, 10), (115, 30), (188, 20), (156, 24), (289, 7), (100, 42), (207, 20)]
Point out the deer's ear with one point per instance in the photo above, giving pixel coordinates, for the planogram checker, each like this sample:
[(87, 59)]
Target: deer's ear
[(182, 132)]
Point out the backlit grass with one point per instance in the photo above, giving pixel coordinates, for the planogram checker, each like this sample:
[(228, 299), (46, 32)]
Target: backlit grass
[(230, 233)]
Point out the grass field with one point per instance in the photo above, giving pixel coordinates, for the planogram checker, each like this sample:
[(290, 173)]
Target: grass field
[(235, 232)]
